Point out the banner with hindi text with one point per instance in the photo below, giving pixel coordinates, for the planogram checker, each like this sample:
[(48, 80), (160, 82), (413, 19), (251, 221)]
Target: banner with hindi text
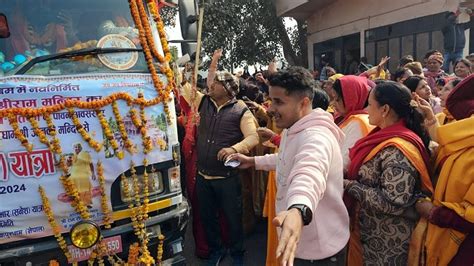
[(22, 172)]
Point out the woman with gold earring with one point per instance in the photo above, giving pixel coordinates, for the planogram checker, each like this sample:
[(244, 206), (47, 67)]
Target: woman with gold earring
[(387, 174)]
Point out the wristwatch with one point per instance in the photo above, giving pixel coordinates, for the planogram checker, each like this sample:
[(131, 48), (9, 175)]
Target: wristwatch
[(305, 211)]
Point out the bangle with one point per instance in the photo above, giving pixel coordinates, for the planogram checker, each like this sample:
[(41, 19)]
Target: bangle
[(425, 199)]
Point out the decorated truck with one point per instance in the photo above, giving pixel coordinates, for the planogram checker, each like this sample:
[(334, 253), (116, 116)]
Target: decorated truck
[(89, 157)]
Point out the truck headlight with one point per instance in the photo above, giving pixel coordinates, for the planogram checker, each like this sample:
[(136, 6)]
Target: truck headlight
[(174, 178), (85, 234), (155, 186)]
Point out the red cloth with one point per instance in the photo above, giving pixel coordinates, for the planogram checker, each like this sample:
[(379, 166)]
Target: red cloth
[(276, 139), (460, 102), (355, 91), (365, 145)]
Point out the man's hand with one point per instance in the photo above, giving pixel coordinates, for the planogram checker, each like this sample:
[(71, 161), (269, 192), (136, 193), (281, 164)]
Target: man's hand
[(217, 54), (224, 153), (253, 106), (383, 62), (260, 78), (245, 161), (265, 133), (291, 223)]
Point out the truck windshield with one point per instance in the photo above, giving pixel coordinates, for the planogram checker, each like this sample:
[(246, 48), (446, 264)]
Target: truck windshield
[(44, 28)]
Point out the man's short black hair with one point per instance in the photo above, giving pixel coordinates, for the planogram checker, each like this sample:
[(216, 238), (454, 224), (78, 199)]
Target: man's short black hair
[(295, 80)]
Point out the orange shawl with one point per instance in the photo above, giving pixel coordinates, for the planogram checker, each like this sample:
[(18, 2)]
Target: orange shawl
[(355, 256), (455, 188)]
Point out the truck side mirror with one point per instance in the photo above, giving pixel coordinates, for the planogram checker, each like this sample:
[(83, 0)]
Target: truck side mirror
[(4, 30)]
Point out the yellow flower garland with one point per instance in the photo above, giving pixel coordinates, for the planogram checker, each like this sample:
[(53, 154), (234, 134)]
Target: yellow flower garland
[(108, 134), (159, 252), (107, 219), (121, 126), (92, 143), (131, 206), (146, 193), (55, 146), (41, 135), (138, 123), (18, 134), (54, 226), (76, 203)]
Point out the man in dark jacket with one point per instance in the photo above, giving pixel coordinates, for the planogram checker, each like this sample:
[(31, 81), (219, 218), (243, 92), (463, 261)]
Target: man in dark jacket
[(226, 126), (454, 40)]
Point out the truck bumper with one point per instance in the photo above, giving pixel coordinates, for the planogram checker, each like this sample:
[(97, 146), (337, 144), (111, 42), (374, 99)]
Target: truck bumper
[(172, 224)]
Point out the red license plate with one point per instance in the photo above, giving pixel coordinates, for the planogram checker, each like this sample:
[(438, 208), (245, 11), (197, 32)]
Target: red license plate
[(112, 244)]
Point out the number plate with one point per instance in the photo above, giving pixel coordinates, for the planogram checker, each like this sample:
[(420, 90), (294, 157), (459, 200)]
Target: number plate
[(113, 245)]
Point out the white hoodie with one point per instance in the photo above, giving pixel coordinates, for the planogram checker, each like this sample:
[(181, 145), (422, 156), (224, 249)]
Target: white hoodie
[(309, 171)]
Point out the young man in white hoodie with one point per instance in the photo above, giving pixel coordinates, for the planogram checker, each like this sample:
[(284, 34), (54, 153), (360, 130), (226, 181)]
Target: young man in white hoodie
[(311, 215)]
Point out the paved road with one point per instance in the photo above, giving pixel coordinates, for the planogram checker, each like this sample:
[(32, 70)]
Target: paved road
[(255, 245)]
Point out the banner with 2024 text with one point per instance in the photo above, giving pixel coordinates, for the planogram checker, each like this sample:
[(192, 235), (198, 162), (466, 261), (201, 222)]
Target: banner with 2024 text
[(21, 172)]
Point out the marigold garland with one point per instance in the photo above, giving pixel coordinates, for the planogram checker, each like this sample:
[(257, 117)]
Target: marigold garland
[(159, 252), (147, 30), (140, 124), (40, 133), (107, 219), (108, 134), (72, 192), (92, 143), (18, 134), (53, 263), (160, 27), (133, 253), (131, 206), (96, 104), (146, 193), (164, 94), (143, 36), (123, 131), (54, 226), (55, 146)]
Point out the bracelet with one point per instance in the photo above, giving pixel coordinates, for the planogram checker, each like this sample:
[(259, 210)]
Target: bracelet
[(425, 199)]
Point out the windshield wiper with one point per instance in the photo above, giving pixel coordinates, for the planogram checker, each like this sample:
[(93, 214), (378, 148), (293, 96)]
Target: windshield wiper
[(87, 51)]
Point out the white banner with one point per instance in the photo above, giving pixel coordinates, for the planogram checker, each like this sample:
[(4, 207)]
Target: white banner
[(21, 173)]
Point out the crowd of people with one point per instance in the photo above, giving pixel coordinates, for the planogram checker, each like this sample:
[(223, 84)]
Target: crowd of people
[(373, 169)]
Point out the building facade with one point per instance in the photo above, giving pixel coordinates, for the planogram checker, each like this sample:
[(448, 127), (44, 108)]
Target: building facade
[(346, 30)]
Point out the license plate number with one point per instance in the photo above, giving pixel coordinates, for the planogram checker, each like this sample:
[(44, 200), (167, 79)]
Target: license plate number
[(112, 244)]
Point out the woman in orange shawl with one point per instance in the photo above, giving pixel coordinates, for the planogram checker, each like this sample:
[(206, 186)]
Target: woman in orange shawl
[(388, 171), (445, 117), (350, 98), (450, 237)]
